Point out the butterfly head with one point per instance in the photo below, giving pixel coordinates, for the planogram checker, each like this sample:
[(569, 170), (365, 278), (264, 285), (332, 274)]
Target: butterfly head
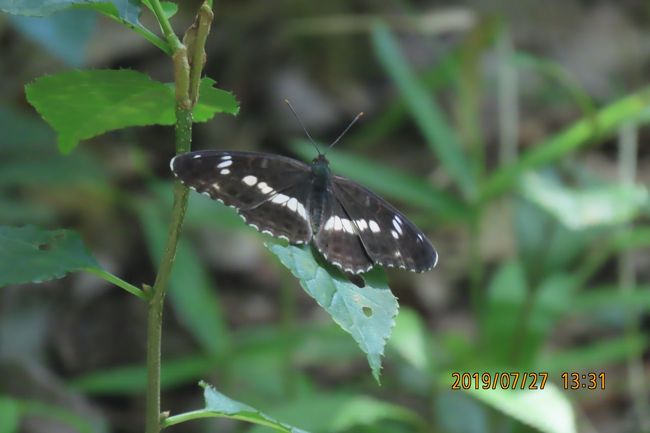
[(320, 167)]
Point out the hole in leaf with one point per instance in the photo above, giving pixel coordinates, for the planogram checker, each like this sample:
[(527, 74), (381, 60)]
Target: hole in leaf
[(367, 311), (44, 247)]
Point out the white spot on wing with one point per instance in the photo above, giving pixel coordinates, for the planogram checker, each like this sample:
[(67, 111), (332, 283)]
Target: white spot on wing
[(224, 164), (196, 156), (265, 188), (224, 171), (329, 224), (374, 227), (347, 225), (292, 204), (397, 223), (280, 199), (362, 224), (338, 225), (394, 233), (226, 157), (250, 180)]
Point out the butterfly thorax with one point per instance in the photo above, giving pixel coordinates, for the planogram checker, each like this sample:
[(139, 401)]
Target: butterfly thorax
[(320, 178)]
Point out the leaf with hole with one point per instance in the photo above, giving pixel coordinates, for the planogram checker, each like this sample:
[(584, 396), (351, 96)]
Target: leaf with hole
[(367, 313), (83, 104), (31, 254)]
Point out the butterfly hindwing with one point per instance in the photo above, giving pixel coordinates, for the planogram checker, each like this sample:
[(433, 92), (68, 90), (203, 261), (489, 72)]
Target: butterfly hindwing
[(388, 237), (338, 241), (268, 191)]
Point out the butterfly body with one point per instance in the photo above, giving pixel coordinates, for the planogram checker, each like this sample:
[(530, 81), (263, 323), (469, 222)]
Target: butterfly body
[(353, 228)]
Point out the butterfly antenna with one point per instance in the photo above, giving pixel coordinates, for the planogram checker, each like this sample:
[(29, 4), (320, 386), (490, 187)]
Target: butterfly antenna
[(302, 125), (345, 130)]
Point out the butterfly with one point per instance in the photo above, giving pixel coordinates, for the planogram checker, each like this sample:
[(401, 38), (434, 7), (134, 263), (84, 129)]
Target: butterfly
[(351, 227)]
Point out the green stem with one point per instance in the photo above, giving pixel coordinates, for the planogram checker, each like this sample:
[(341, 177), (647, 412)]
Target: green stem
[(183, 131), (165, 25), (118, 282)]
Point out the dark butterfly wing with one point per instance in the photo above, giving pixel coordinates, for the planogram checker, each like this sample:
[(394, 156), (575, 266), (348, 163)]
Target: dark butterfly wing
[(268, 191), (338, 241), (388, 237)]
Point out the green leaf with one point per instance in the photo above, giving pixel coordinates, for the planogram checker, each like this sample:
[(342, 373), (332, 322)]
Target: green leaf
[(9, 415), (410, 339), (367, 313), (331, 413), (218, 405), (581, 133), (594, 356), (83, 104), (191, 289), (64, 35), (532, 407), (506, 296), (394, 183), (128, 9), (429, 117), (169, 8), (31, 254), (583, 208)]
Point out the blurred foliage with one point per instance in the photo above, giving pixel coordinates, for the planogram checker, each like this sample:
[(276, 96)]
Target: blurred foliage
[(552, 295)]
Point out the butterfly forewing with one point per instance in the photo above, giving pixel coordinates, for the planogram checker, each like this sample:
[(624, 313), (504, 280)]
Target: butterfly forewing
[(268, 191), (388, 237)]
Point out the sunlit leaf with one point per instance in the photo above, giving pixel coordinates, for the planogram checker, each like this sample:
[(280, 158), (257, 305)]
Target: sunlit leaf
[(218, 405), (532, 407), (582, 208), (83, 104), (581, 133), (367, 313), (31, 254)]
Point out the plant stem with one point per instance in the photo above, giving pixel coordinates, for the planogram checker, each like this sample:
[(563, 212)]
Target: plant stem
[(183, 131), (165, 25), (118, 282)]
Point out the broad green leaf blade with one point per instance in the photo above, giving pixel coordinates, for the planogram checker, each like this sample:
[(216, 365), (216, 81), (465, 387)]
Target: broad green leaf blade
[(429, 117), (532, 407), (583, 208), (9, 415), (367, 313), (581, 133), (83, 104), (218, 405), (191, 291), (501, 320), (31, 254), (338, 412), (410, 339), (392, 182), (128, 9), (594, 356), (64, 35)]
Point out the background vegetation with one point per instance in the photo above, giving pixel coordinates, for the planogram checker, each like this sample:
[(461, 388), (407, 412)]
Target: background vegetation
[(511, 134)]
